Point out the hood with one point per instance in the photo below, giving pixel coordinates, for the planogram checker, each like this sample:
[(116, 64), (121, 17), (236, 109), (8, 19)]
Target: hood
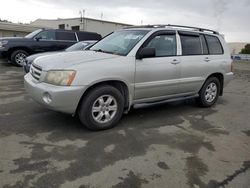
[(31, 58), (67, 59), (14, 39)]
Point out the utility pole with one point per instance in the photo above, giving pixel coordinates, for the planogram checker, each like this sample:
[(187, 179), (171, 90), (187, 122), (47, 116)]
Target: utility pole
[(80, 12), (82, 19), (83, 13)]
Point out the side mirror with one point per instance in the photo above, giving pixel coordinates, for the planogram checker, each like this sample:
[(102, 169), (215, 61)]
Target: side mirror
[(146, 53), (38, 38)]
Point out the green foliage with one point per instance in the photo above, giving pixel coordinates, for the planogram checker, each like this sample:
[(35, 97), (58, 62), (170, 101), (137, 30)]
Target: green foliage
[(6, 21), (246, 50)]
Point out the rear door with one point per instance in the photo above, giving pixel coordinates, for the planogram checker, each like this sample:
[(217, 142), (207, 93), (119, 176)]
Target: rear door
[(194, 62), (157, 77)]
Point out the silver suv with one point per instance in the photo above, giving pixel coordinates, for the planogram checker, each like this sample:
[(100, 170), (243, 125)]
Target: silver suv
[(132, 66)]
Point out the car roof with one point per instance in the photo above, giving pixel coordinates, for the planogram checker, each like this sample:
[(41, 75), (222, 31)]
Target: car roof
[(173, 28), (70, 31), (88, 41)]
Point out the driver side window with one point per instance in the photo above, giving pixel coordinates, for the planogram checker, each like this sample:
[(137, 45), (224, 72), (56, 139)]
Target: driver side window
[(164, 44), (47, 35)]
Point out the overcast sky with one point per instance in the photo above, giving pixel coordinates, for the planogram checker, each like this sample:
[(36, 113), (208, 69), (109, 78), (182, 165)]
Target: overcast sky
[(230, 17)]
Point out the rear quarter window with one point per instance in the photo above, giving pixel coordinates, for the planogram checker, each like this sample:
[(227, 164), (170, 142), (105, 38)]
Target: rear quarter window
[(88, 36), (214, 45), (67, 36)]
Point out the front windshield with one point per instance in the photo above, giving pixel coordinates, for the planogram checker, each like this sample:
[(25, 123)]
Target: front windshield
[(120, 42), (34, 33), (77, 46)]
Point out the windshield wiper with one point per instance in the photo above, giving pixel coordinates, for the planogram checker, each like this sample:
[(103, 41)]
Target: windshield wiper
[(100, 50)]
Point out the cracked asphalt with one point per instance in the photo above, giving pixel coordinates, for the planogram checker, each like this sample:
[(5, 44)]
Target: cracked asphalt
[(167, 145)]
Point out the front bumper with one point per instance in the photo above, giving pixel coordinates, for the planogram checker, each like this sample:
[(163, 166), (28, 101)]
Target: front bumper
[(3, 52), (62, 98), (228, 77)]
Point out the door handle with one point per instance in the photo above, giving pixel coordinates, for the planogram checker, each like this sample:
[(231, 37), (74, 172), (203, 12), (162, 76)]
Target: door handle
[(175, 62), (207, 59)]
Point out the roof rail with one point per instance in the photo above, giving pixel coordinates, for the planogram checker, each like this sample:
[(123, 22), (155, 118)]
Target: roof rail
[(176, 26)]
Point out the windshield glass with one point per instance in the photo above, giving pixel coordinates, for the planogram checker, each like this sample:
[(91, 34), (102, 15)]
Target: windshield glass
[(120, 42), (77, 46), (34, 33)]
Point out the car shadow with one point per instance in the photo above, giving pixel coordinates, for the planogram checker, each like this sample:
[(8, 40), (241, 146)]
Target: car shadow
[(149, 116)]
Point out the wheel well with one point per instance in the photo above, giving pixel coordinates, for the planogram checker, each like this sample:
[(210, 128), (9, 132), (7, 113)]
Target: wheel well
[(220, 77), (121, 86), (19, 48)]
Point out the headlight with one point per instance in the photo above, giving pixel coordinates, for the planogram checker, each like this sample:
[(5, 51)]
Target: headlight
[(60, 77), (2, 43)]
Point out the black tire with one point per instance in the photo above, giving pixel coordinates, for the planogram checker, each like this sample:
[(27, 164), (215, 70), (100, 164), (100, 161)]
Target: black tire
[(14, 57), (85, 110), (201, 100)]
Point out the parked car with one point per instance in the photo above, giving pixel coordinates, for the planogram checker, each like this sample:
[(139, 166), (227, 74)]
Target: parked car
[(238, 58), (132, 66), (75, 47), (16, 49)]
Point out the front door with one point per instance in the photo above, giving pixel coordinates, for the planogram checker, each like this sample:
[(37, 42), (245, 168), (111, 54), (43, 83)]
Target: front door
[(157, 77), (45, 41)]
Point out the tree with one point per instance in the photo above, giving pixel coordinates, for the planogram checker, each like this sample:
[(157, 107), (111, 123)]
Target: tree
[(246, 50), (6, 21)]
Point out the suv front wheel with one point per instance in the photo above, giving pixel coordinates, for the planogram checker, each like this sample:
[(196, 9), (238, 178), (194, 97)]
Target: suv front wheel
[(18, 57), (101, 108), (209, 93)]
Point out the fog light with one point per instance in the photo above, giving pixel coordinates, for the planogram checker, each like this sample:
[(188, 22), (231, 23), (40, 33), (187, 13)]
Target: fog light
[(47, 98)]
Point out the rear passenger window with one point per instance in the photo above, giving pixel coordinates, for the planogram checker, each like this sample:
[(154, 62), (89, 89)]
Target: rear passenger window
[(65, 36), (191, 45), (165, 45), (214, 45)]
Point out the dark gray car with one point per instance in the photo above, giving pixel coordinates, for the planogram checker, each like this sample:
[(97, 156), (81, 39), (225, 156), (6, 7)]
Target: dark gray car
[(16, 49)]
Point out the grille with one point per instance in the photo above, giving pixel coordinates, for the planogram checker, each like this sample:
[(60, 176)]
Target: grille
[(35, 71)]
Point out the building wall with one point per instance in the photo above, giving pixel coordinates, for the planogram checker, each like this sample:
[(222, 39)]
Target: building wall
[(54, 24), (92, 25), (15, 30), (4, 33), (103, 28)]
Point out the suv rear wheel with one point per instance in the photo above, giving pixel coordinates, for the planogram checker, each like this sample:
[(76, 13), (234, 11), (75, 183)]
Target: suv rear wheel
[(18, 57), (101, 108), (209, 93)]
